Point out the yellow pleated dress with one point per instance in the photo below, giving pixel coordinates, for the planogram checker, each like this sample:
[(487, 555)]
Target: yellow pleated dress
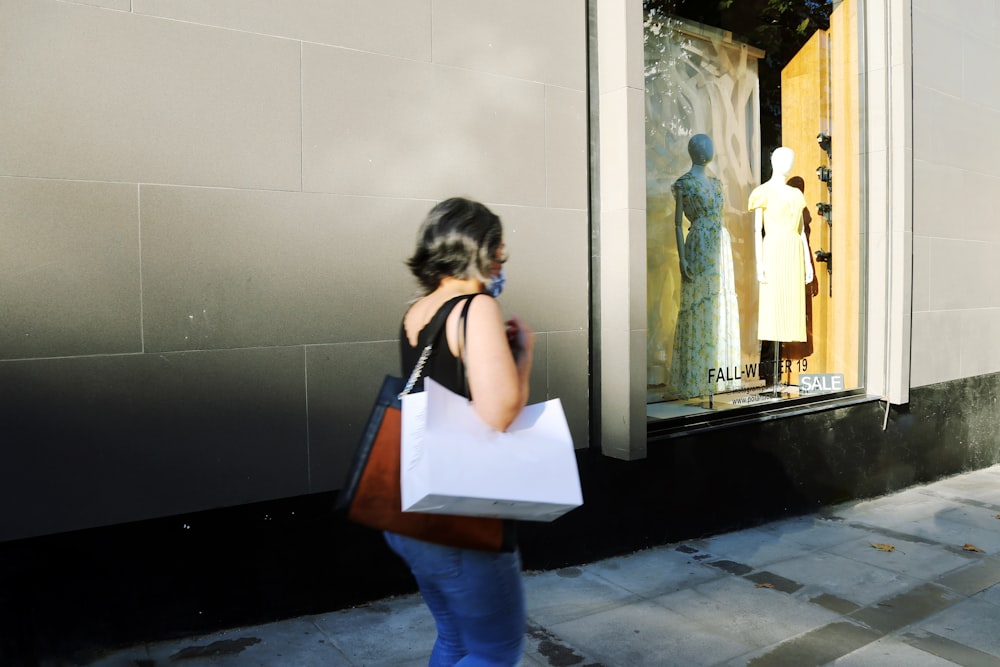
[(782, 300)]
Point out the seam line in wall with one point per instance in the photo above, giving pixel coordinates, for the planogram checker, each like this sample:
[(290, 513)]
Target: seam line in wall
[(305, 373), (302, 115), (142, 310)]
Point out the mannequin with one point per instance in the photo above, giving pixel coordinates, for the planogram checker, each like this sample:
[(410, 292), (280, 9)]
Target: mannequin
[(707, 336), (783, 266)]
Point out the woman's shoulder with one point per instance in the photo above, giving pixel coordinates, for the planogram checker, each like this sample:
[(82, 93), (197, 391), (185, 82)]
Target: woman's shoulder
[(424, 310), (483, 312), (482, 305), (416, 318)]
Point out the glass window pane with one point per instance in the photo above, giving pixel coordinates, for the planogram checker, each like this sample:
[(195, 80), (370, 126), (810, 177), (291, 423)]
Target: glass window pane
[(753, 247)]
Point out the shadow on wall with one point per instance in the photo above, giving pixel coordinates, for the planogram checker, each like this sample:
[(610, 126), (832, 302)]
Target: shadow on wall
[(69, 597)]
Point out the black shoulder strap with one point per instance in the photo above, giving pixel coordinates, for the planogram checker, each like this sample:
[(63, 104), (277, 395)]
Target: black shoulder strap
[(432, 333), (463, 322), (436, 325)]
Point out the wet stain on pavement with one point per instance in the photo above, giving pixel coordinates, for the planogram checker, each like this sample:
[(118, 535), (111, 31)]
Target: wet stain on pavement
[(775, 581), (834, 603), (569, 572), (219, 648), (731, 567), (555, 651)]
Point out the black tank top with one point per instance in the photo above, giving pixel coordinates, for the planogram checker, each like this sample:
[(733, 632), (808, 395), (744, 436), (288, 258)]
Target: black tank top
[(446, 369)]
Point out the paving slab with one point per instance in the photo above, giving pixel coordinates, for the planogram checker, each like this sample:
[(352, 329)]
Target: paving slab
[(809, 590), (843, 577), (891, 652), (914, 559), (655, 572), (896, 510), (955, 528), (947, 649), (544, 647), (571, 593), (646, 634), (292, 642), (971, 623), (984, 518), (977, 577), (394, 631), (755, 547), (983, 486), (991, 595), (816, 647), (816, 532), (754, 616), (908, 608)]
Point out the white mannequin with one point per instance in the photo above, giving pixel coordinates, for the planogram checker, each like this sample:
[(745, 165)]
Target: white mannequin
[(782, 160)]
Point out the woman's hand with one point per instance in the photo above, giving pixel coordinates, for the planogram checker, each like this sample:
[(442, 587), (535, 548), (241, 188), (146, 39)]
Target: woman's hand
[(520, 337)]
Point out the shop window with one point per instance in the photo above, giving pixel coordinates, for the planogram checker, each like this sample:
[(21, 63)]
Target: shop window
[(754, 232)]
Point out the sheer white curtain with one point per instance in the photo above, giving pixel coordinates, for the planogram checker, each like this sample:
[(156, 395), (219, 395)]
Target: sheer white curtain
[(697, 81)]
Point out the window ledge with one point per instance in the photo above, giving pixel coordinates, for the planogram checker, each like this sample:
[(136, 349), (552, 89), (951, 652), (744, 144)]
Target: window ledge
[(661, 430)]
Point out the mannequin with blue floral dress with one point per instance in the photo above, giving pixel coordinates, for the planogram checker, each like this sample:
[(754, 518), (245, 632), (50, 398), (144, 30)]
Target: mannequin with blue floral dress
[(707, 336)]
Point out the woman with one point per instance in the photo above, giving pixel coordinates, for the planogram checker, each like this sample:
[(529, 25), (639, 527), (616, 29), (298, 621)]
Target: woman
[(476, 597)]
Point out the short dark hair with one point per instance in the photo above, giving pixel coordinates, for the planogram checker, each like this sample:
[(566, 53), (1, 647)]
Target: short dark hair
[(459, 238)]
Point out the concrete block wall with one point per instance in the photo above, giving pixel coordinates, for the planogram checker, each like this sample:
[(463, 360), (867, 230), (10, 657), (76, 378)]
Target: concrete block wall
[(205, 208), (956, 175)]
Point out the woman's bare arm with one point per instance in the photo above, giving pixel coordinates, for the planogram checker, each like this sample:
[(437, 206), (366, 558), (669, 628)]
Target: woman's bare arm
[(498, 357)]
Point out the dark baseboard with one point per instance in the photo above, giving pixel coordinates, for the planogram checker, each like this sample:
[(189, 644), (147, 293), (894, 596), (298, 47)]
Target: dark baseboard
[(69, 597)]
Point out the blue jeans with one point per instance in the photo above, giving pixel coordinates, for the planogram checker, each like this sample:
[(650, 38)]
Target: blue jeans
[(476, 598)]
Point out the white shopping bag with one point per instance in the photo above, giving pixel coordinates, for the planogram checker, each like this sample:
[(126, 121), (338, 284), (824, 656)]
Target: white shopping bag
[(453, 463)]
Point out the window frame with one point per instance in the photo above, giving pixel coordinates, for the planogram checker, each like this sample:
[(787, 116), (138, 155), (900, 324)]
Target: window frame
[(618, 230)]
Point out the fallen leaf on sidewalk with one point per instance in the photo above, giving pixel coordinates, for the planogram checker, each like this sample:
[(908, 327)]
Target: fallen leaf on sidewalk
[(884, 547), (972, 547), (765, 585)]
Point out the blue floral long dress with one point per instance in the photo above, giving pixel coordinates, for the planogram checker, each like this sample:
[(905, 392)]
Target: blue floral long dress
[(707, 337)]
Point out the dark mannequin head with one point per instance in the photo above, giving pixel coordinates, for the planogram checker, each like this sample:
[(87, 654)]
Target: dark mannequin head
[(700, 149)]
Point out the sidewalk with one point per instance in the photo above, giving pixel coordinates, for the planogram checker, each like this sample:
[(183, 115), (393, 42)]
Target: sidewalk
[(906, 580)]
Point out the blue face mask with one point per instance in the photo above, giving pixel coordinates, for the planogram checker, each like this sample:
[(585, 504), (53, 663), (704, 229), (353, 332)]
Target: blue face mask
[(496, 285)]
